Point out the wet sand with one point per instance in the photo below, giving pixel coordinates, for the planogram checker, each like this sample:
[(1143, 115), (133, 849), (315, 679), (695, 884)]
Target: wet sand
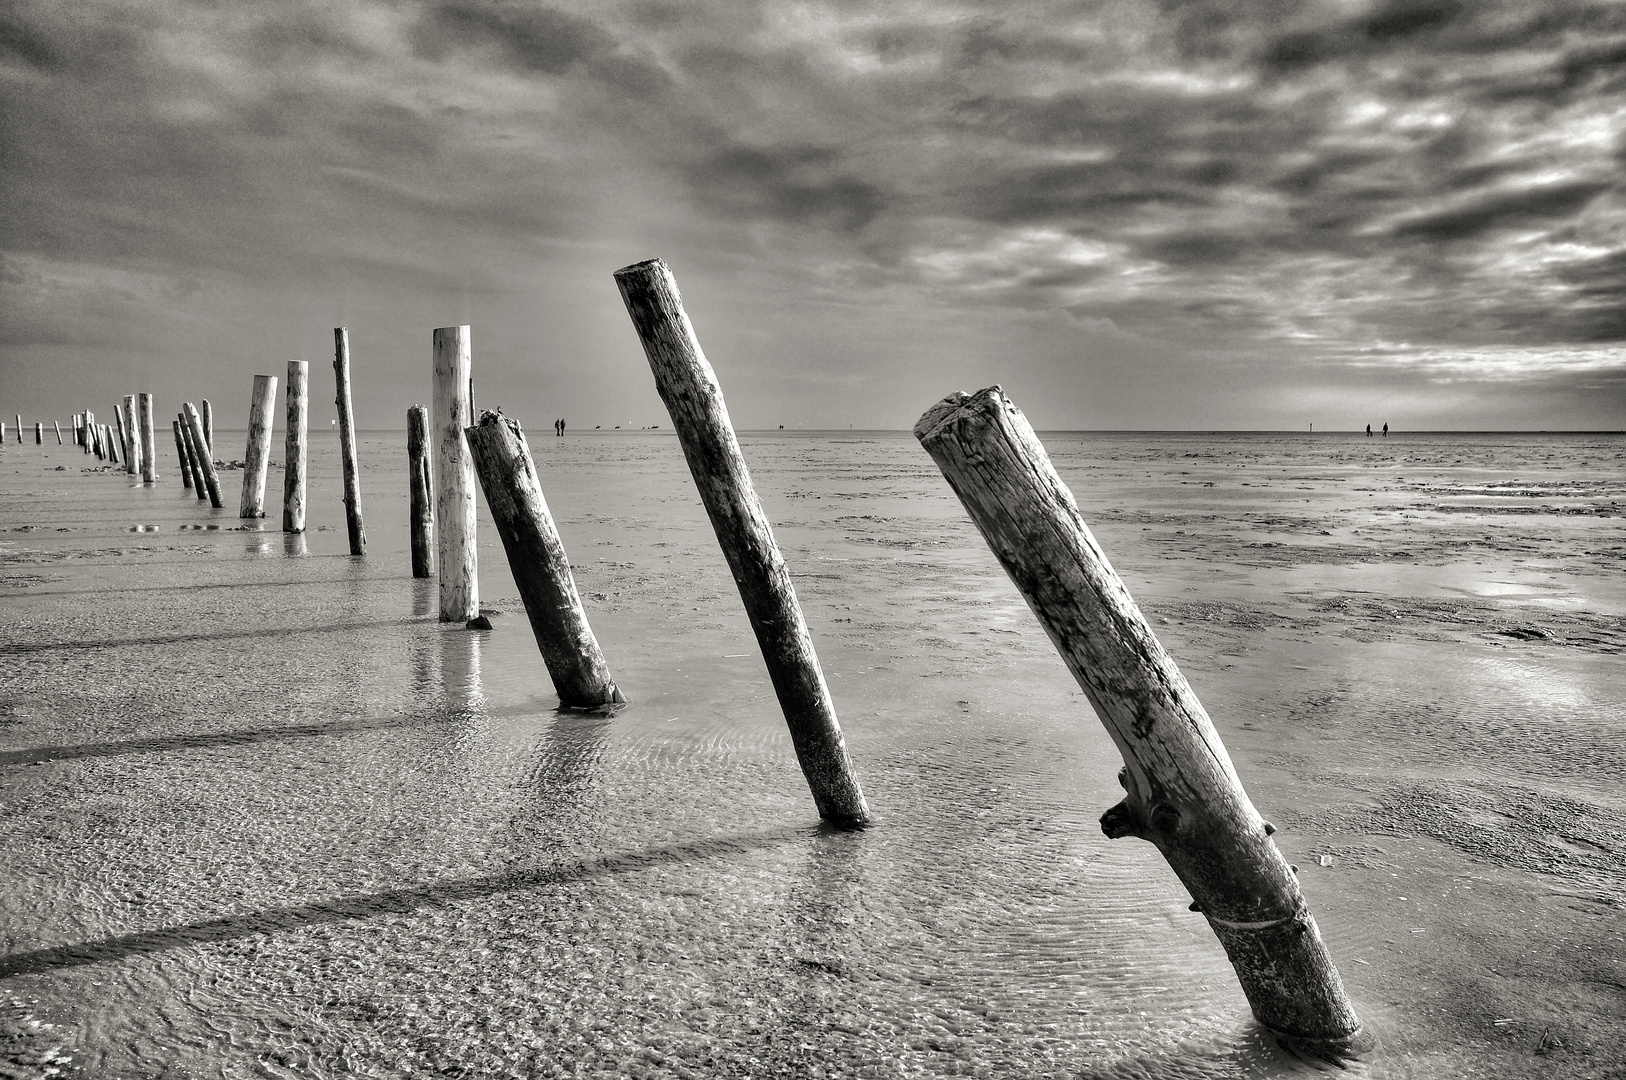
[(262, 815)]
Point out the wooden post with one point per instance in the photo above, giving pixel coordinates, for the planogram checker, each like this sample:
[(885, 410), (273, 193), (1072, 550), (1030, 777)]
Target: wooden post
[(536, 556), (1183, 794), (131, 446), (19, 429), (194, 457), (211, 479), (347, 441), (422, 509), (120, 429), (257, 455), (58, 427), (454, 476), (180, 454), (689, 388), (208, 445), (108, 449), (39, 433), (149, 442), (293, 451), (90, 431)]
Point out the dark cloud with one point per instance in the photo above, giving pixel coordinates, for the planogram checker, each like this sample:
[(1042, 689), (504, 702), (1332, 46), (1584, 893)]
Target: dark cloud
[(801, 184), (1502, 210), (533, 36)]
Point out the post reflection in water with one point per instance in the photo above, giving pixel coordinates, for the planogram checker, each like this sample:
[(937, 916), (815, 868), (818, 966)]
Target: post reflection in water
[(293, 544), (560, 799), (460, 669)]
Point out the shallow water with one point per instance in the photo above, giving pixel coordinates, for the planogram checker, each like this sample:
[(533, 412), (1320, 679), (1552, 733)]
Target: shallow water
[(263, 815)]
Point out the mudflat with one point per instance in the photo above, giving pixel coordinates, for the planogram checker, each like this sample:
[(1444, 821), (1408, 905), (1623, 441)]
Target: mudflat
[(262, 814)]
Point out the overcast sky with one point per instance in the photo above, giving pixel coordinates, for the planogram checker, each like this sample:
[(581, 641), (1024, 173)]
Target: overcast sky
[(1133, 215)]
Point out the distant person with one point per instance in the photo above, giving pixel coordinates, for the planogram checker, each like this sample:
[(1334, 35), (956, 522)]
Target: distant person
[(562, 428), (1369, 431), (1385, 430)]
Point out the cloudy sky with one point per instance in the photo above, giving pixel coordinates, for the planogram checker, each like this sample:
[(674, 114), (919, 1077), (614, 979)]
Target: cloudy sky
[(1234, 214)]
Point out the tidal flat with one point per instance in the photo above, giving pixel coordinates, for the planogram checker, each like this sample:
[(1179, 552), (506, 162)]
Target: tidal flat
[(263, 815)]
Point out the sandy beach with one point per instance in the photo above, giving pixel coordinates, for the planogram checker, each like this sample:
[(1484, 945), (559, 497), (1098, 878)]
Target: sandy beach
[(262, 815)]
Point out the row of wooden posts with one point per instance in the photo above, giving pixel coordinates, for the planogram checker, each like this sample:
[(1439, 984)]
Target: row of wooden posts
[(1182, 792)]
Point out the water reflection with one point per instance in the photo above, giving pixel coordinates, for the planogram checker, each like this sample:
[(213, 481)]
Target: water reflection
[(293, 544), (460, 668)]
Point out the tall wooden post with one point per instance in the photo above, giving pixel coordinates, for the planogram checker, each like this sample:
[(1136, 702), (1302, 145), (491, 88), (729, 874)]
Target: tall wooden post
[(109, 447), (132, 435), (421, 513), (347, 441), (293, 452), (695, 401), (211, 480), (57, 424), (194, 457), (149, 442), (257, 455), (454, 476), (180, 455), (90, 431), (19, 429), (39, 433), (208, 445), (537, 558), (1183, 794)]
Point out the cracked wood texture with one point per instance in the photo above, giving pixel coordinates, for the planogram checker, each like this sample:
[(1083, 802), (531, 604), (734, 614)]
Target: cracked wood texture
[(149, 440), (203, 458), (689, 389), (536, 555), (257, 454), (297, 420), (456, 558), (421, 508), (1183, 794), (347, 441)]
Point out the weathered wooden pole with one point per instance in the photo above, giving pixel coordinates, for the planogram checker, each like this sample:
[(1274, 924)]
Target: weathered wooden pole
[(149, 442), (456, 560), (123, 433), (257, 455), (208, 444), (90, 431), (194, 457), (180, 454), (132, 436), (293, 451), (194, 424), (537, 558), (421, 513), (1183, 793), (58, 425), (39, 433), (347, 441), (689, 388), (19, 429), (109, 448)]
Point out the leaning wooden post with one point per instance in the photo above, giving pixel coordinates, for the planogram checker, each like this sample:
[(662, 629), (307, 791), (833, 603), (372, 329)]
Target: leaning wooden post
[(422, 509), (109, 447), (149, 443), (19, 429), (347, 441), (1183, 793), (121, 425), (180, 454), (211, 479), (689, 388), (57, 424), (293, 451), (257, 455), (536, 555), (194, 458), (456, 559), (208, 444)]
